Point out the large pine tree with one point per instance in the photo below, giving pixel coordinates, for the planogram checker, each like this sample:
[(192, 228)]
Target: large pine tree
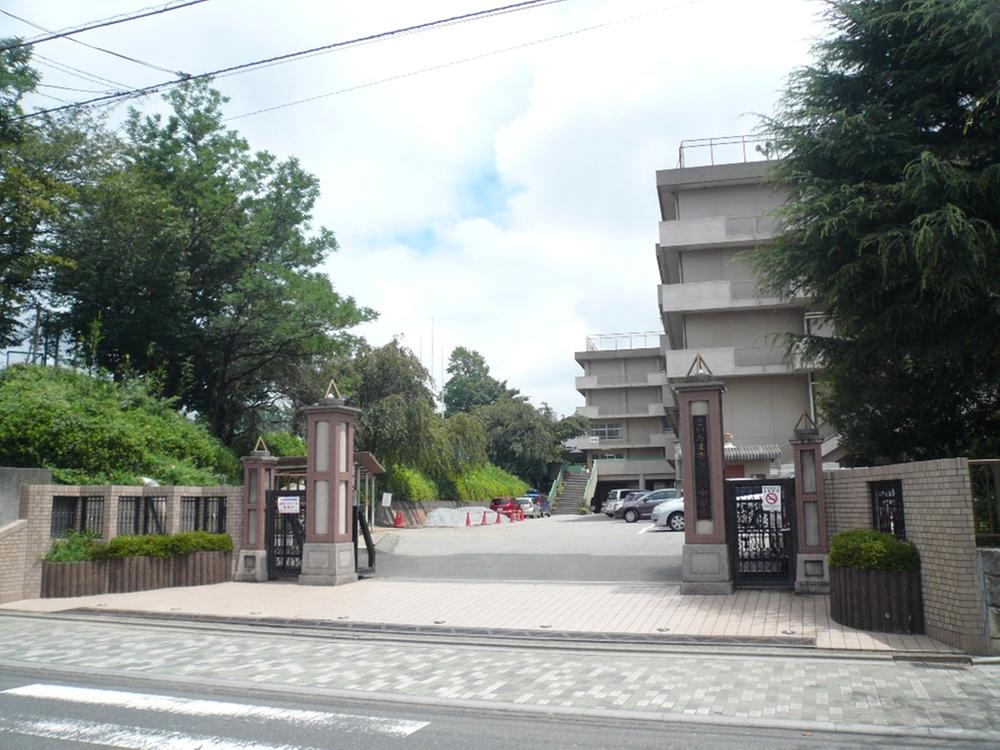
[(891, 148)]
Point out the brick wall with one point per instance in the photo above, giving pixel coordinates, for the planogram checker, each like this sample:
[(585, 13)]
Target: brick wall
[(35, 527), (937, 510), (13, 558)]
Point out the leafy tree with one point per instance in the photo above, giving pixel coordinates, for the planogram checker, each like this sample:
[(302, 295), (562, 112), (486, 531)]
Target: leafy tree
[(891, 144), (470, 384), (524, 440), (194, 258), (93, 431)]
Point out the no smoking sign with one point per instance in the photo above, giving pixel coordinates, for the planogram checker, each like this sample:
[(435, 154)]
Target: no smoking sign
[(771, 496)]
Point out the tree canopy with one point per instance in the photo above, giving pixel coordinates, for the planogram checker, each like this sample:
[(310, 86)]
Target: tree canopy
[(471, 384), (890, 145), (194, 257)]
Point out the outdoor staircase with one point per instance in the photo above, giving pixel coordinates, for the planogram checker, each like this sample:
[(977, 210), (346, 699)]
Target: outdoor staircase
[(572, 494)]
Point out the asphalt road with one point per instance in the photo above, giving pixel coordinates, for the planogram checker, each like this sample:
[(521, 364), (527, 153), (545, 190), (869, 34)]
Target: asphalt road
[(561, 548), (39, 711)]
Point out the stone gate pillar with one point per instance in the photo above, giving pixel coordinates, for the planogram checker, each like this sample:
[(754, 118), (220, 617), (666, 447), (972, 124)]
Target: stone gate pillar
[(812, 573), (706, 558), (251, 561), (328, 552)]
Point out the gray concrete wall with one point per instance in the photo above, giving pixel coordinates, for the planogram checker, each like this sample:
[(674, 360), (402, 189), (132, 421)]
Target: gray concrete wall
[(11, 480), (714, 264), (746, 328), (729, 200), (765, 409)]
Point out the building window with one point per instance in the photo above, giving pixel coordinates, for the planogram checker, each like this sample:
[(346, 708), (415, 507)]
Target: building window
[(606, 430), (203, 514), (77, 514), (142, 515), (613, 455)]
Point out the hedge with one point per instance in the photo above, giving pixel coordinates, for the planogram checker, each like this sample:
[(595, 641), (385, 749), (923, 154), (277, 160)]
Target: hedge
[(78, 546), (864, 549), (485, 482)]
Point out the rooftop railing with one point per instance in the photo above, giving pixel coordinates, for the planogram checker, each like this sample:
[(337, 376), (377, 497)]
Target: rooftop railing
[(728, 149), (601, 342)]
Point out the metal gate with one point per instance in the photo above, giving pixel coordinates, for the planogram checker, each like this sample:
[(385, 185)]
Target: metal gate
[(285, 532), (760, 529)]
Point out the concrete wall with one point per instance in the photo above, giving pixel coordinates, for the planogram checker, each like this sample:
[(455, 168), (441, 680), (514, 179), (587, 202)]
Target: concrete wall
[(729, 200), (746, 328), (765, 409), (31, 537), (714, 264), (937, 512), (11, 480)]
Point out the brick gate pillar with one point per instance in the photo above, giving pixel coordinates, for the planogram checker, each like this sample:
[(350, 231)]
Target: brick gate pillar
[(251, 561), (328, 552), (812, 573), (706, 555)]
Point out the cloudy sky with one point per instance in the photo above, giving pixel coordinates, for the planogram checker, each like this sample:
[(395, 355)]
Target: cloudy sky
[(504, 202)]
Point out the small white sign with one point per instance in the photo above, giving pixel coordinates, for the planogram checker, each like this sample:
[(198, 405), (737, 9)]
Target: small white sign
[(771, 496), (594, 440), (386, 499), (288, 504)]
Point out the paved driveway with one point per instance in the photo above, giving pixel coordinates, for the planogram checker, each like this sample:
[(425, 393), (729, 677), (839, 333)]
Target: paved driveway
[(562, 548)]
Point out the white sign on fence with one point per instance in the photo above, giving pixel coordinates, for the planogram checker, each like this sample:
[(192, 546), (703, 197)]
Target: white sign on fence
[(288, 504), (771, 496), (386, 499)]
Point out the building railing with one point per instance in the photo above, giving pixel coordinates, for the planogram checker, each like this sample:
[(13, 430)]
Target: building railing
[(984, 475), (602, 342), (728, 149)]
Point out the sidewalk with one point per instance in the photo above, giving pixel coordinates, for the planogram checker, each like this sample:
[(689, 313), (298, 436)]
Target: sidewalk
[(656, 612), (806, 692)]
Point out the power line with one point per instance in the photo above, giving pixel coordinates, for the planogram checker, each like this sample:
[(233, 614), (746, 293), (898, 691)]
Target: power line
[(100, 100), (97, 25), (460, 61), (77, 72), (95, 47)]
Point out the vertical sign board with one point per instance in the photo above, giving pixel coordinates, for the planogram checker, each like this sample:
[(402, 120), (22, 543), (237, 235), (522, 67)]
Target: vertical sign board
[(386, 499), (887, 507), (701, 468), (770, 497)]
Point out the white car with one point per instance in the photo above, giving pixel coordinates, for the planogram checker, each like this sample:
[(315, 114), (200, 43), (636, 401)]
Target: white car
[(669, 513)]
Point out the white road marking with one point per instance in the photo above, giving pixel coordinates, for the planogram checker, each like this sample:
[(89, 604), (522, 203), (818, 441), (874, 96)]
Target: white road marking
[(648, 528), (193, 707), (116, 735)]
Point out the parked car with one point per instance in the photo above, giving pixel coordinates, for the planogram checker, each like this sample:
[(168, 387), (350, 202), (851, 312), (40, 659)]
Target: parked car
[(615, 499), (529, 507), (635, 508), (669, 513), (505, 505)]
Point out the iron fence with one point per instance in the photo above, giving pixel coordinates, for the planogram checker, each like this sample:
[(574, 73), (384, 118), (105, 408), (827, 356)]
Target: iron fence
[(984, 476)]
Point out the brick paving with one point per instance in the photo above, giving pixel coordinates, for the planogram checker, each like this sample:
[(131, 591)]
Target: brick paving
[(651, 609), (874, 695)]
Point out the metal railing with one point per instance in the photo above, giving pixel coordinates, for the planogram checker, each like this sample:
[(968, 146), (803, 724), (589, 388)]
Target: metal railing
[(588, 491), (557, 484), (728, 149), (984, 475), (602, 342)]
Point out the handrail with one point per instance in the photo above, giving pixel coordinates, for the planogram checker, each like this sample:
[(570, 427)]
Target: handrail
[(588, 491), (557, 484)]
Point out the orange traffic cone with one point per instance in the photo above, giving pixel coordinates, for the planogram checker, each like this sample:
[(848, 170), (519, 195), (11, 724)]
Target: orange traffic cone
[(498, 517), (484, 521), (398, 522), (468, 518)]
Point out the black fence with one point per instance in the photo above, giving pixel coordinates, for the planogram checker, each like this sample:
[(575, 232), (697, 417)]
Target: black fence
[(984, 476)]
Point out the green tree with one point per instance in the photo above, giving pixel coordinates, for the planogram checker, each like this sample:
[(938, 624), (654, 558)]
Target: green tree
[(891, 152), (471, 384), (524, 440), (197, 260)]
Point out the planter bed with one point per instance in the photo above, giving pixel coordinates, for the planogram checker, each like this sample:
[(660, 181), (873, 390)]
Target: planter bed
[(880, 600), (124, 574)]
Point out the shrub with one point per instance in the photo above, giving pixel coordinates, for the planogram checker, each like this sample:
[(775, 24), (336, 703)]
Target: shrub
[(74, 547), (865, 549), (485, 482), (162, 546), (408, 483), (93, 431)]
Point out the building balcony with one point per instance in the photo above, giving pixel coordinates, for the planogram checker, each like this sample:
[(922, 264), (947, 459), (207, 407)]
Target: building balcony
[(620, 410), (593, 443), (608, 468), (643, 380), (716, 230), (730, 361), (703, 296)]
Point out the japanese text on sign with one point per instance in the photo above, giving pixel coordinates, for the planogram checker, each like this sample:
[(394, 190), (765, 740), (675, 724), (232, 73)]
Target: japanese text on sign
[(771, 496)]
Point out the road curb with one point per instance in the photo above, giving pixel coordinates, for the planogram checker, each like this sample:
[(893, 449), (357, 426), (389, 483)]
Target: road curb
[(265, 692)]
